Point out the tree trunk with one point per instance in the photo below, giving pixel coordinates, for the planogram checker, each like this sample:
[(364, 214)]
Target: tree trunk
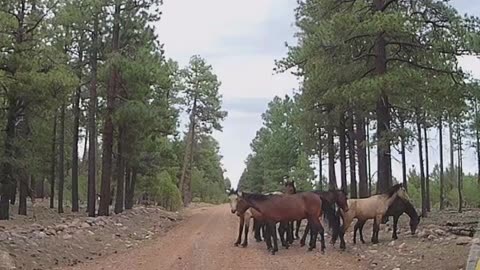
[(383, 113), (422, 171), (427, 170), (442, 178), (76, 125), (460, 171), (477, 136), (53, 164), (362, 158), (369, 161), (332, 179), (128, 181), (343, 156), (6, 169), (23, 192), (403, 153), (61, 159), (452, 152), (92, 110), (131, 190), (320, 160), (120, 170), (351, 155), (85, 148), (105, 188), (183, 184)]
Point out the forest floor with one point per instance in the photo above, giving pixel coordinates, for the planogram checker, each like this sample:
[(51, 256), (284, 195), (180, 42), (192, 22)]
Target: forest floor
[(202, 236)]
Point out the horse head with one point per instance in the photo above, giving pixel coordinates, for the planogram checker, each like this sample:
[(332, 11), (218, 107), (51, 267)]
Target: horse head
[(341, 199), (414, 224), (289, 187), (233, 197)]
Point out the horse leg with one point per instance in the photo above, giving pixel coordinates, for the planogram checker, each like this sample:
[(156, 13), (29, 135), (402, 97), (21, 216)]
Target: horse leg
[(376, 229), (304, 236), (395, 223), (274, 236), (290, 232), (355, 228), (267, 236), (256, 229), (321, 230), (314, 227), (360, 228), (297, 230), (281, 232), (240, 231), (247, 227)]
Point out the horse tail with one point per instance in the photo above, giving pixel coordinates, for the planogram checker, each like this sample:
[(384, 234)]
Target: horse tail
[(332, 217)]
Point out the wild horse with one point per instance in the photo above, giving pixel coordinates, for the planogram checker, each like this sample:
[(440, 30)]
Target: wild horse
[(398, 207), (246, 213), (289, 207), (330, 198), (373, 207)]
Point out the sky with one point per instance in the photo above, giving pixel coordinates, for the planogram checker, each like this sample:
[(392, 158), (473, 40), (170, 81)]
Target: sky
[(241, 40)]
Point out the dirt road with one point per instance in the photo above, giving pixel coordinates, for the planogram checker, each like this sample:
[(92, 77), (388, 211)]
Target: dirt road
[(205, 241)]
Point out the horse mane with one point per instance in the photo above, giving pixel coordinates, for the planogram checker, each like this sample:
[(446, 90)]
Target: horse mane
[(332, 216), (393, 190), (254, 196)]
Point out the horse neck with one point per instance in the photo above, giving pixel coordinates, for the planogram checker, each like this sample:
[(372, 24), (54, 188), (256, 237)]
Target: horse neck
[(391, 199), (410, 210)]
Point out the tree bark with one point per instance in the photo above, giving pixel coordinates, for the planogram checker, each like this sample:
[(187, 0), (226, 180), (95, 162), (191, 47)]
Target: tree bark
[(61, 159), (403, 153), (128, 181), (183, 184), (23, 192), (362, 157), (105, 188), (320, 160), (369, 161), (76, 125), (131, 189), (92, 129), (351, 155), (427, 170), (422, 171), (120, 170), (343, 156), (460, 171), (383, 113), (442, 178), (332, 179), (53, 164), (452, 152), (7, 179), (477, 136)]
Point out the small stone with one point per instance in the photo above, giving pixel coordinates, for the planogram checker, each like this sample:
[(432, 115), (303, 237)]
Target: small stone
[(431, 237), (40, 235), (423, 234), (118, 224), (402, 246), (374, 251), (476, 241), (6, 261), (440, 232), (61, 227), (391, 244), (90, 232), (85, 225), (461, 241), (397, 268), (67, 237)]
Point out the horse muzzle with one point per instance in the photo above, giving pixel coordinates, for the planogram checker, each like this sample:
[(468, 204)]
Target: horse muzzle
[(233, 211)]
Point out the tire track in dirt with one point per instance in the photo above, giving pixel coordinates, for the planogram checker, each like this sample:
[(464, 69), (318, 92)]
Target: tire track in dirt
[(204, 241)]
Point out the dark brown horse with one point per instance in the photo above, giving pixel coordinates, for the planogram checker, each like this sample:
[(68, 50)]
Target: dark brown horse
[(285, 208), (330, 198), (396, 209)]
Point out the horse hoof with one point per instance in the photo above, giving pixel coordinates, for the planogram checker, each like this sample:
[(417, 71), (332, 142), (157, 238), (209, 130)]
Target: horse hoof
[(322, 252), (244, 245), (310, 249), (302, 243), (286, 247), (273, 252), (236, 244)]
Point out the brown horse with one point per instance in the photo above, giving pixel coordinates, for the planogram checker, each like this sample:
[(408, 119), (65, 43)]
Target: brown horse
[(373, 207), (398, 207), (330, 198), (285, 208), (246, 213)]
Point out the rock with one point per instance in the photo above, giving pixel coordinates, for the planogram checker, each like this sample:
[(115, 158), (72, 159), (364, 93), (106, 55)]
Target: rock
[(61, 227), (464, 240), (91, 221), (75, 222), (374, 251), (90, 232), (431, 237), (67, 237), (6, 261), (118, 224), (85, 225), (440, 232), (39, 235), (391, 244), (51, 232), (398, 268), (402, 246)]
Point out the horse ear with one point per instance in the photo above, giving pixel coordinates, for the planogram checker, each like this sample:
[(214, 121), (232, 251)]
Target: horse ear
[(240, 194)]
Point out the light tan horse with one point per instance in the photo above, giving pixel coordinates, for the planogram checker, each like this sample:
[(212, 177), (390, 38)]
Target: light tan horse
[(373, 207)]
